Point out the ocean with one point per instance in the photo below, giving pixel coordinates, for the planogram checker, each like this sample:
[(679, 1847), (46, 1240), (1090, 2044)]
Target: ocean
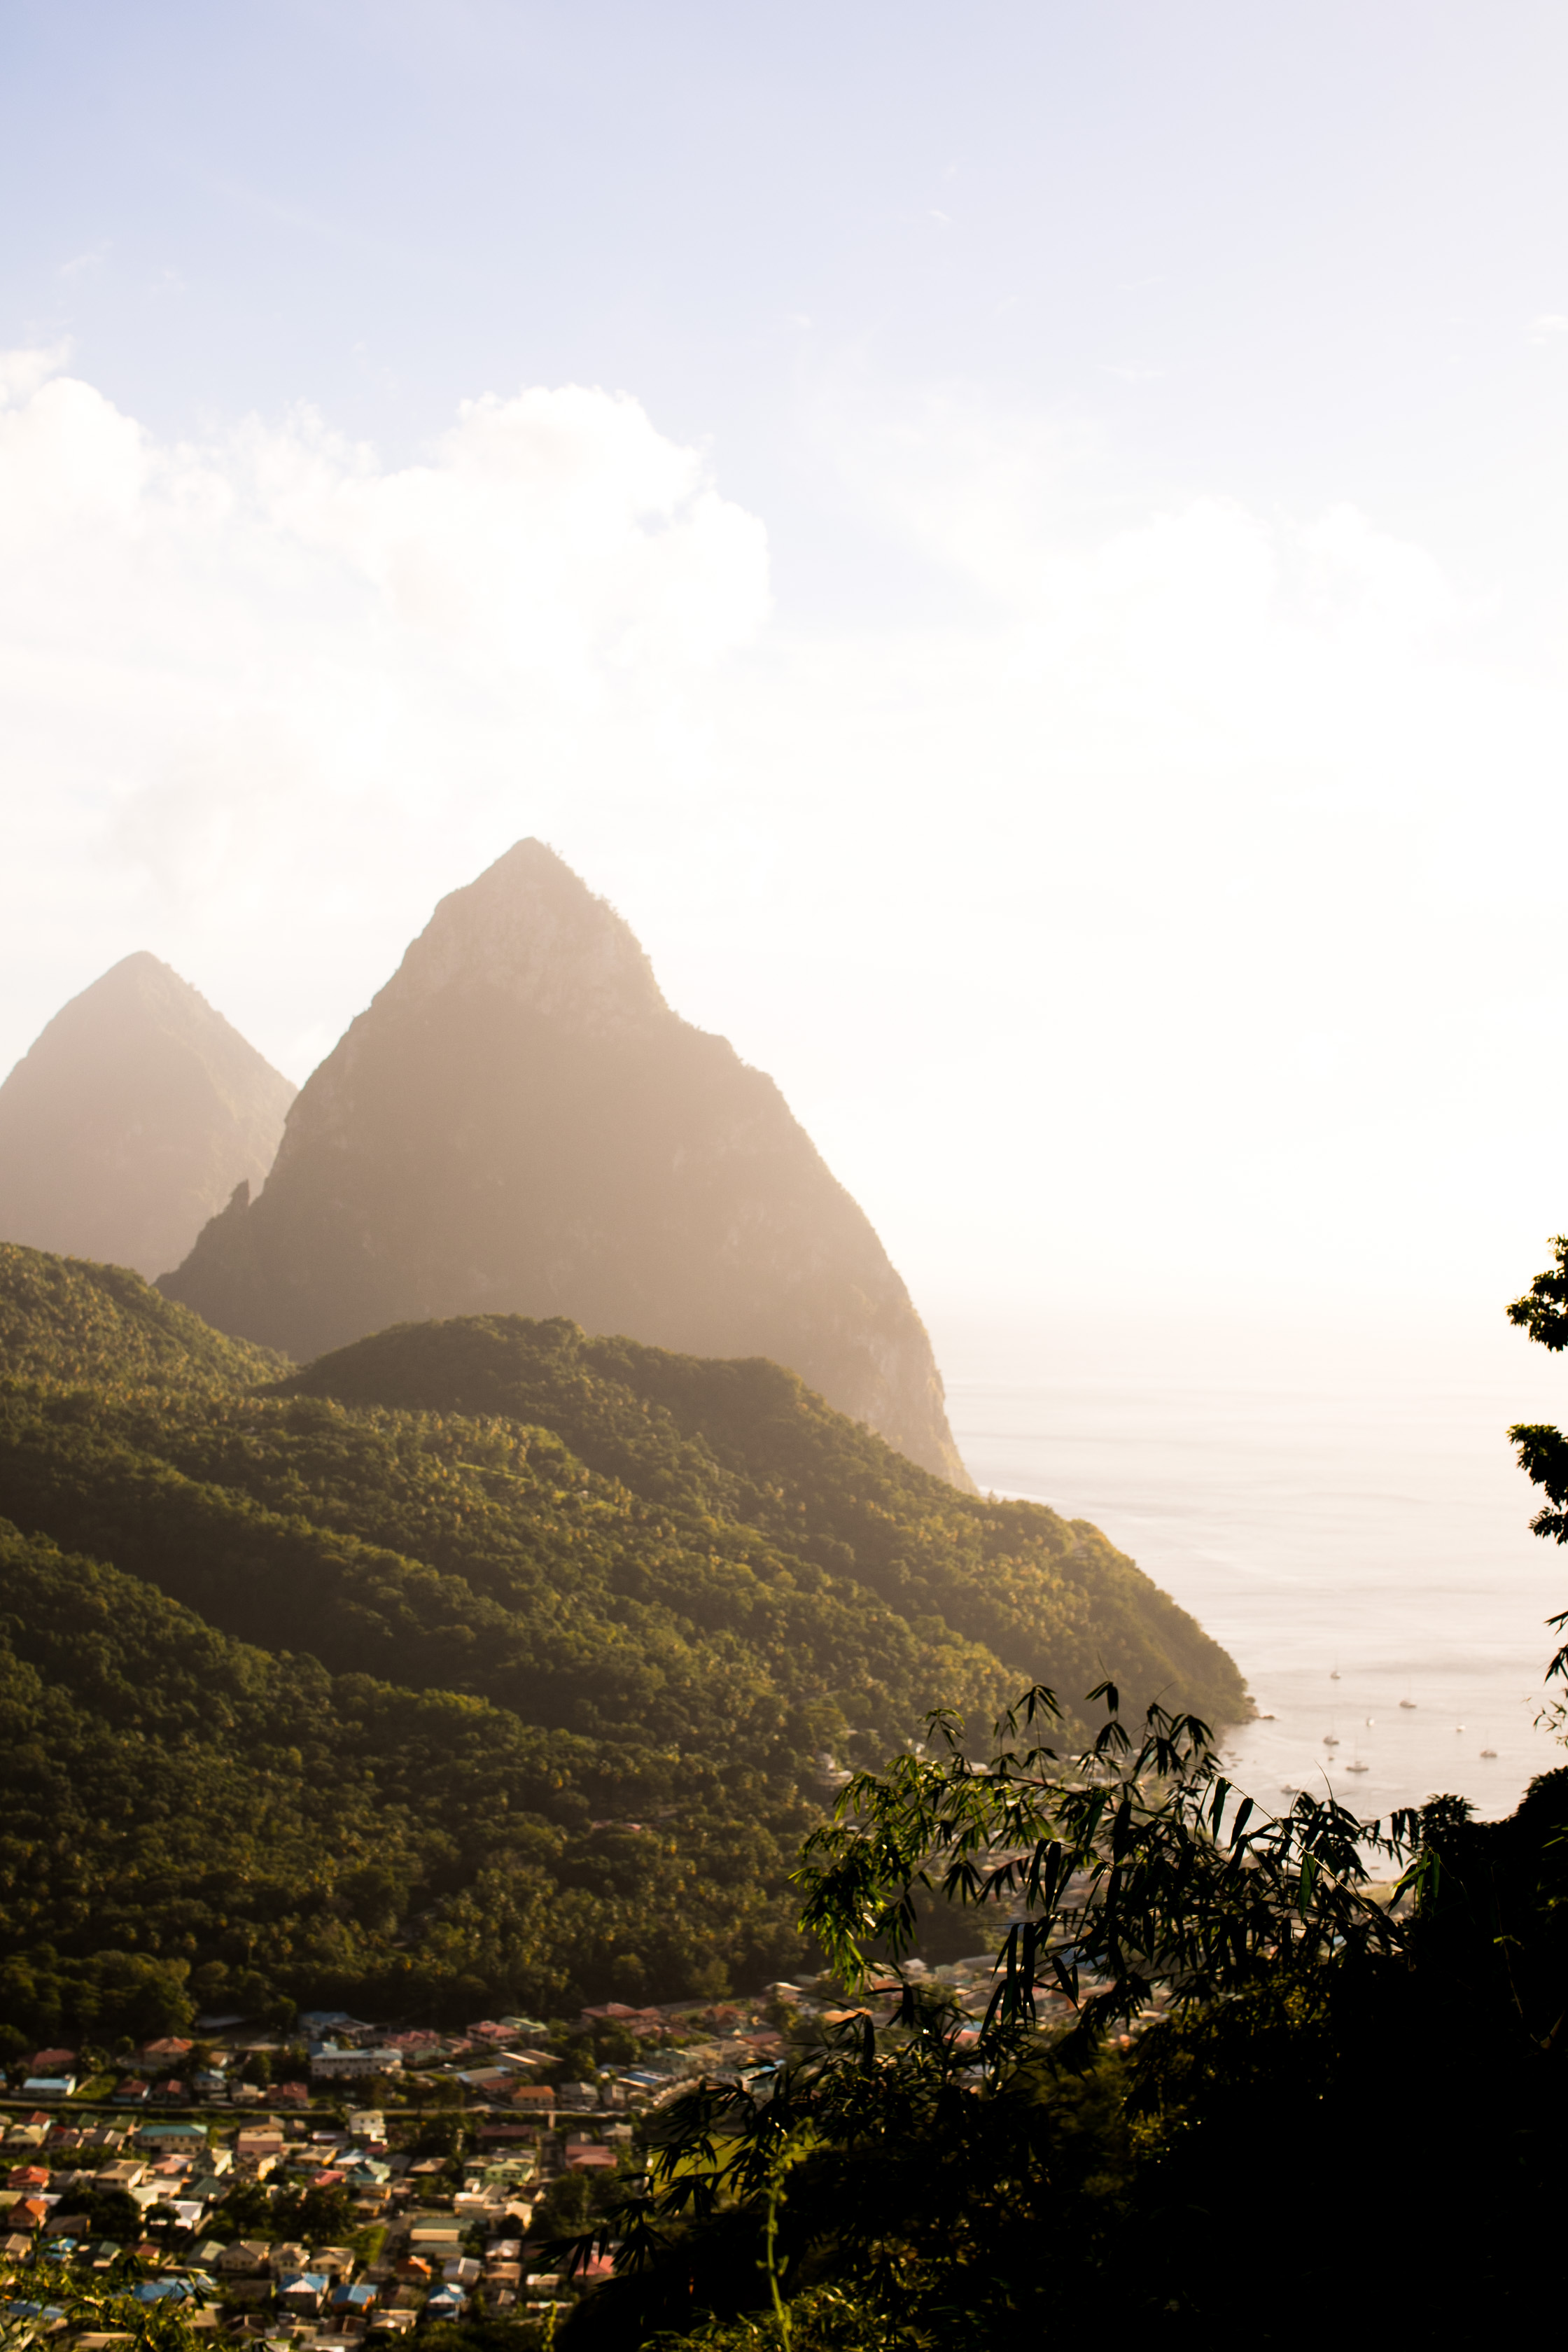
[(1345, 1516)]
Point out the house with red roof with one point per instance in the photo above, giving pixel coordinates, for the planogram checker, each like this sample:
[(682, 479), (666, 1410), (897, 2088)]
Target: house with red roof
[(160, 2057)]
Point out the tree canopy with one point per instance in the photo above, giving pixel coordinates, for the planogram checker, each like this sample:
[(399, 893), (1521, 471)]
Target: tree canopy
[(482, 1664)]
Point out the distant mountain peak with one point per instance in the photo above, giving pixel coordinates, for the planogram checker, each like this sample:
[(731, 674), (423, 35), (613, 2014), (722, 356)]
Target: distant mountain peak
[(530, 927), (139, 967), (130, 1118), (140, 977)]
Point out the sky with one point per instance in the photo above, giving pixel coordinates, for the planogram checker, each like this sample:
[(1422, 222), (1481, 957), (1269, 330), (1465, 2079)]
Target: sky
[(1023, 548)]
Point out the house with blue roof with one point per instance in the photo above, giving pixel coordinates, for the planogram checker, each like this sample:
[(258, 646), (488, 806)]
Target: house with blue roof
[(302, 2291)]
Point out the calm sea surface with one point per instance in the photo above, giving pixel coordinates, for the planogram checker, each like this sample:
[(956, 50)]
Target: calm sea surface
[(1354, 1514)]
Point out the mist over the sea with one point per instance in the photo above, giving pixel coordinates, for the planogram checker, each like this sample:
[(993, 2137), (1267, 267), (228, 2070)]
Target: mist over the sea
[(1335, 1496)]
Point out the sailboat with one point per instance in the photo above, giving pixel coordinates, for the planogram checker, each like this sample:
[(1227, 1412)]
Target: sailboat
[(1408, 1702), (1488, 1751)]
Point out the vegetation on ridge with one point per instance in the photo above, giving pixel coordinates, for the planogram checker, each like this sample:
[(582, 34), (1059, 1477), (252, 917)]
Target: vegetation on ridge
[(67, 1319), (745, 1446), (481, 1665)]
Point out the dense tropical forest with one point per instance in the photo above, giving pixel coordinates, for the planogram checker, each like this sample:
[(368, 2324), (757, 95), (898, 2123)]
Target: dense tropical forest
[(483, 1663), (480, 1664)]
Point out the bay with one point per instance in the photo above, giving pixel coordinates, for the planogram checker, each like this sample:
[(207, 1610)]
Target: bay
[(1327, 1504)]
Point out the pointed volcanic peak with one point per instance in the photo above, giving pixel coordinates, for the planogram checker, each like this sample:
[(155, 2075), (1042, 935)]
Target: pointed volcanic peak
[(520, 1124), (132, 1120)]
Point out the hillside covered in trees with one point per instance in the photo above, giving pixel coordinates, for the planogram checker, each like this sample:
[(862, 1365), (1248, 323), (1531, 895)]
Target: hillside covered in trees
[(479, 1663)]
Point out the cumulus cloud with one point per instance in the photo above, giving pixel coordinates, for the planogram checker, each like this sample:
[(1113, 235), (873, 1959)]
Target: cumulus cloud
[(1169, 823), (1173, 792), (22, 371), (269, 669), (1141, 650)]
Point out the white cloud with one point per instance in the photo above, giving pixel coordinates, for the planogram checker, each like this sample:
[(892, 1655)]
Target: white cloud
[(1180, 784), (22, 371), (267, 681), (1548, 326), (1174, 791)]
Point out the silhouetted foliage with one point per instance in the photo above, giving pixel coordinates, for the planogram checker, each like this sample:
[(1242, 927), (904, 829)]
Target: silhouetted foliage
[(1224, 2087), (1192, 1996)]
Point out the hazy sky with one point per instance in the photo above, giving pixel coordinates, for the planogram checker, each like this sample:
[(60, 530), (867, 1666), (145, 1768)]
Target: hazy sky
[(1026, 548)]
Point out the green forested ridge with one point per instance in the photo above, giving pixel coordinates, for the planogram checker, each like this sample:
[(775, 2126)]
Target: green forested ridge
[(538, 1584), (330, 1678), (747, 1442), (189, 1819), (66, 1318)]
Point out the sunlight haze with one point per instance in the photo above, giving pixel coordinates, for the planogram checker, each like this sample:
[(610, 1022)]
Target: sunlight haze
[(1023, 551), (784, 792)]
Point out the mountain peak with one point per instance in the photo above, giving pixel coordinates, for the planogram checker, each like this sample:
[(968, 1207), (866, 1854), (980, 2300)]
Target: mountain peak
[(531, 929), (130, 1118), (520, 1124), (140, 966), (140, 977)]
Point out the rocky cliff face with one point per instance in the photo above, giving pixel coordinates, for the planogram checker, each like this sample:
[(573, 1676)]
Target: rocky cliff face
[(130, 1120), (521, 1124)]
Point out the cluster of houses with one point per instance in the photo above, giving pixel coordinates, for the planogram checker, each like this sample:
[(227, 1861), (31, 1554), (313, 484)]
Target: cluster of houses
[(188, 2142), (418, 2248)]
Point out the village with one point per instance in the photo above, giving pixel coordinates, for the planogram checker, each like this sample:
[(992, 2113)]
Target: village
[(339, 2181)]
